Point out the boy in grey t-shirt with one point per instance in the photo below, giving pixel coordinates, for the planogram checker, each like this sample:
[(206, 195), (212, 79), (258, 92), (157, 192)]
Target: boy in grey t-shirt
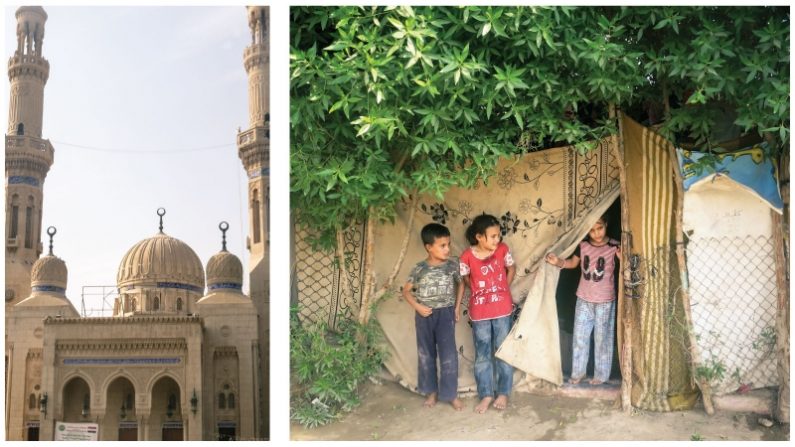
[(434, 289)]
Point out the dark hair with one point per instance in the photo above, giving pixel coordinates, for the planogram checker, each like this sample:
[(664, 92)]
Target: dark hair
[(479, 226), (604, 219), (433, 231)]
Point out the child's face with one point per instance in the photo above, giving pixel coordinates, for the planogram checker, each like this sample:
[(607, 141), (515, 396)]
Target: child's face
[(597, 233), (440, 249), (490, 240)]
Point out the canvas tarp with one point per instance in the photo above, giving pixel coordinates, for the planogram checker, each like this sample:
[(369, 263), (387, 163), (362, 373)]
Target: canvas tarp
[(660, 362), (732, 271), (545, 200)]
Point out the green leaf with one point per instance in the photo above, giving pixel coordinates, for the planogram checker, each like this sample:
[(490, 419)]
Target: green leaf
[(363, 130)]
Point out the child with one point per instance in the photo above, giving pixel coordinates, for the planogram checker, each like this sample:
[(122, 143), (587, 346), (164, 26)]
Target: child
[(434, 289), (489, 265), (596, 302)]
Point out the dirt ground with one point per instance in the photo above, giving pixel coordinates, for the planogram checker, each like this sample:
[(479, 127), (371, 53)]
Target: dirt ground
[(389, 412)]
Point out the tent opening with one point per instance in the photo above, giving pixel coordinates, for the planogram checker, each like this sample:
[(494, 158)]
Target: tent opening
[(566, 299)]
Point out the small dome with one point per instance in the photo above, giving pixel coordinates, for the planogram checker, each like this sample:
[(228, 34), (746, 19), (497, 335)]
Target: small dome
[(31, 10), (224, 271), (161, 259), (48, 275)]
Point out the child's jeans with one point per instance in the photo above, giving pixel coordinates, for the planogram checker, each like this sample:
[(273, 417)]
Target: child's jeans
[(600, 318), (488, 336), (436, 332)]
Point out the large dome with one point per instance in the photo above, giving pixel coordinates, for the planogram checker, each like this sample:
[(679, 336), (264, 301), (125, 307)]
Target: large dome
[(161, 261)]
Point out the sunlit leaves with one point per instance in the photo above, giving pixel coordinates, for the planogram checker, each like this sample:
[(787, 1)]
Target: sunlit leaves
[(430, 97)]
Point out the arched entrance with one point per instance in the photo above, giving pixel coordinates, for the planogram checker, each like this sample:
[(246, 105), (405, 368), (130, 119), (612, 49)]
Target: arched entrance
[(120, 422), (76, 400), (166, 413)]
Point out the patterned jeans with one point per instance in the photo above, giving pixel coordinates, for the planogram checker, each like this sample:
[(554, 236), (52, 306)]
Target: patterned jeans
[(600, 318), (488, 336), (436, 334)]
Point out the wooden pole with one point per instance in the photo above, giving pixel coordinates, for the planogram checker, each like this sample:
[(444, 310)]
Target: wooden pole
[(403, 248), (782, 323), (624, 309), (695, 358), (780, 232), (367, 283)]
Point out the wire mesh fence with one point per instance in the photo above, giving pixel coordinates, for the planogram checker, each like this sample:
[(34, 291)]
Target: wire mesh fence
[(733, 295), (321, 295)]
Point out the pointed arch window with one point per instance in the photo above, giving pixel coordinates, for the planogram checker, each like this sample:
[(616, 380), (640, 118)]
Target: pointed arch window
[(32, 401), (156, 303), (221, 401), (230, 401), (20, 129), (29, 227), (179, 303), (255, 206), (14, 218)]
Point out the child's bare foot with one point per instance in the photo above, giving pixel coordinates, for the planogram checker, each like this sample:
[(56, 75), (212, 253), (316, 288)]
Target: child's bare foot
[(574, 381), (483, 405), (501, 402), (430, 401), (595, 382), (457, 404)]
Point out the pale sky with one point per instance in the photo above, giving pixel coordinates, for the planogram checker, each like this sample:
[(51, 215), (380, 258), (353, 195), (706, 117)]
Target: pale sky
[(161, 92)]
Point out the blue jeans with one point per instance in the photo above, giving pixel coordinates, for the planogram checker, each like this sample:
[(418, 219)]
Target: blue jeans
[(599, 318), (436, 333), (488, 336)]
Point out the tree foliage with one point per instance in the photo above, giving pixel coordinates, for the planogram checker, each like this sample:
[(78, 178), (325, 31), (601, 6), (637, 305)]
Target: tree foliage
[(389, 100)]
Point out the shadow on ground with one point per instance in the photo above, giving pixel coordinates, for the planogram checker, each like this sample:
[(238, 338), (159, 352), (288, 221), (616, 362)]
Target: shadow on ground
[(390, 412)]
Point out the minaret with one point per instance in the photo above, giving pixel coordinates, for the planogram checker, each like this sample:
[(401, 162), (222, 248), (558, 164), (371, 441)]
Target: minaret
[(253, 149), (28, 156)]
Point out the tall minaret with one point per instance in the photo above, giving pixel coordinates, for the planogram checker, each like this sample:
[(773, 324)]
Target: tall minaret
[(28, 156), (254, 149)]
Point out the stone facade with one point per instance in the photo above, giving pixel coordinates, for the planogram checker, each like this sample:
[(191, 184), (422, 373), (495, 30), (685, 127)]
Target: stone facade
[(254, 150), (180, 359)]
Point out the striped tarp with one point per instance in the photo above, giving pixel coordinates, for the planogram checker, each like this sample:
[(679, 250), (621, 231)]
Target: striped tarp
[(661, 367)]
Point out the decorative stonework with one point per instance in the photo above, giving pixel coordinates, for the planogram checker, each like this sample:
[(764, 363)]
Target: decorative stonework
[(225, 351), (122, 361), (166, 319), (124, 346)]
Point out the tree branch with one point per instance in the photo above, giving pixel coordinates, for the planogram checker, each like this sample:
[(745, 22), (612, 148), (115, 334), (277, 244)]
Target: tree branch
[(403, 248)]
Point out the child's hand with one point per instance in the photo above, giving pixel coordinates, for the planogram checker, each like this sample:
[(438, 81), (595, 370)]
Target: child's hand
[(457, 313), (552, 258), (423, 310)]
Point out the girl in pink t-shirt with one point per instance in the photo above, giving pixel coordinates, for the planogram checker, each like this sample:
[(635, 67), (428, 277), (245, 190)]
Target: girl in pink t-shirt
[(596, 302), (489, 266)]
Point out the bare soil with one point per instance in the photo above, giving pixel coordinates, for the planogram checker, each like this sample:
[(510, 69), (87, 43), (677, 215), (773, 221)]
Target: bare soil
[(390, 412)]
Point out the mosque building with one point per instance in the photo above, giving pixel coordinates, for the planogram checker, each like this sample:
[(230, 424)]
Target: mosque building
[(181, 357)]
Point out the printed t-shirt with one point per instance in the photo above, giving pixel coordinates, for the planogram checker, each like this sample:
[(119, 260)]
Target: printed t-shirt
[(597, 265), (434, 285), (491, 296)]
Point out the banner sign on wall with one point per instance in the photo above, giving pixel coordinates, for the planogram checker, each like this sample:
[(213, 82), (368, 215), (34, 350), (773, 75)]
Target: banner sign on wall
[(76, 431)]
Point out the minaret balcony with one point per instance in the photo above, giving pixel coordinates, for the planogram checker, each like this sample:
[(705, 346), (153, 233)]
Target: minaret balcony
[(254, 136), (255, 56), (255, 49), (26, 144), (27, 64)]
